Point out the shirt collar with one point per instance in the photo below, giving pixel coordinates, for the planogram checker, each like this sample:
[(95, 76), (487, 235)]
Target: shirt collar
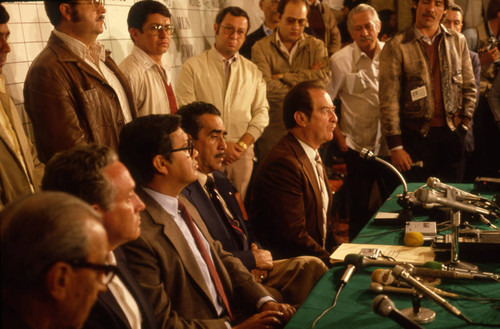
[(145, 59), (424, 38), (230, 60), (280, 43), (310, 152), (202, 178), (80, 49), (358, 53), (168, 203), (2, 84), (316, 3), (267, 29)]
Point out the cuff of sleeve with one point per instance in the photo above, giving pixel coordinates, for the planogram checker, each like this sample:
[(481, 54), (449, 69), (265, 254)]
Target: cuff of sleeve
[(264, 300), (394, 141), (254, 131)]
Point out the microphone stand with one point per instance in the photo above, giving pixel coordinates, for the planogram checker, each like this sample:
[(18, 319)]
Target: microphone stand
[(405, 214)]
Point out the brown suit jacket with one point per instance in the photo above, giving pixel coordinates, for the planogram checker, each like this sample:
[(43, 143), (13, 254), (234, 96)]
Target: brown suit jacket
[(171, 279), (13, 179), (285, 203)]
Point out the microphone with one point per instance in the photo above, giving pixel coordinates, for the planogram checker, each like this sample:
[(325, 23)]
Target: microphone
[(449, 274), (429, 196), (383, 306), (380, 288), (361, 261), (435, 183), (400, 272), (347, 274)]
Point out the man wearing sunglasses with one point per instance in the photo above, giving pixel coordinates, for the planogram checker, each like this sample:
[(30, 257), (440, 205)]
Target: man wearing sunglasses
[(287, 57), (54, 250), (94, 174), (187, 276), (74, 92), (151, 30)]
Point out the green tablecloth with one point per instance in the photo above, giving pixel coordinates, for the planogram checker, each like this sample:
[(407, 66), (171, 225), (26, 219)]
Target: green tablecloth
[(353, 309)]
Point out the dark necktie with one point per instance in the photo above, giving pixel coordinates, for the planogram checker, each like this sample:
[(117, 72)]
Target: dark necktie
[(206, 256), (172, 103), (324, 193), (221, 208)]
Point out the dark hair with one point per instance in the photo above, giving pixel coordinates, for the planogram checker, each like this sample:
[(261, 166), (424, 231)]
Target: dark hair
[(142, 139), (447, 3), (493, 9), (190, 114), (234, 11), (53, 11), (4, 15), (282, 4), (36, 232), (299, 99), (79, 171), (138, 13)]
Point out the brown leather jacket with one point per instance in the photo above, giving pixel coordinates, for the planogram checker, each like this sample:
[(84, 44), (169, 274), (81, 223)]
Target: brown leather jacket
[(70, 103)]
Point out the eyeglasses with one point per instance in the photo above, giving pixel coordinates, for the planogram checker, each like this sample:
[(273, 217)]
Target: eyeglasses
[(293, 20), (105, 272), (189, 148), (229, 31), (95, 3), (156, 28)]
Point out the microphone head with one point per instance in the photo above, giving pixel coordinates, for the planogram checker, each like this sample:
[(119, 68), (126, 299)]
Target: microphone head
[(383, 276), (398, 270), (354, 259), (382, 305), (425, 195), (433, 182), (434, 265), (376, 287)]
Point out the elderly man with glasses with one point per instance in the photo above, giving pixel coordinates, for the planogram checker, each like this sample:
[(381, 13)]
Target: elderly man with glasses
[(74, 92), (94, 174), (54, 250), (151, 29)]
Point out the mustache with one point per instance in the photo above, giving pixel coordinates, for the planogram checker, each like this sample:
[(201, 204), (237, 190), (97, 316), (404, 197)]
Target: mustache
[(220, 155), (430, 15), (368, 37)]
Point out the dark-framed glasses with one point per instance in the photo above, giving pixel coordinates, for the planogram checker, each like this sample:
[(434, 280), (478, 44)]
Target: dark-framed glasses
[(94, 3), (293, 20), (155, 29), (230, 30), (189, 149), (105, 272)]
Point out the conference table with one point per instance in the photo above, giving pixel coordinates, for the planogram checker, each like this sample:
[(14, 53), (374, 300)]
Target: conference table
[(354, 305)]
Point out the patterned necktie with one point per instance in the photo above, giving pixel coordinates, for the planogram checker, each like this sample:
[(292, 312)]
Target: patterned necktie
[(224, 212), (206, 256), (324, 192)]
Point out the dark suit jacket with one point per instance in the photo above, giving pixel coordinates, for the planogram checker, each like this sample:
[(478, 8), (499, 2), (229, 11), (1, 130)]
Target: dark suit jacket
[(167, 271), (196, 194), (107, 313), (252, 38), (285, 204)]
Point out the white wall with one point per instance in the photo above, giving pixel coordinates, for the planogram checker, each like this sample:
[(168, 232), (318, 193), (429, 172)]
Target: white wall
[(30, 29)]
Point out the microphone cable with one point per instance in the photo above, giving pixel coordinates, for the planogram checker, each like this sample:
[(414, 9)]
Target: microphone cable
[(329, 308)]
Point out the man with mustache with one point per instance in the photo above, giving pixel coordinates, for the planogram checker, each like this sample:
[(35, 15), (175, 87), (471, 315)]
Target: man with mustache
[(74, 92), (20, 170), (355, 82), (427, 95), (151, 30), (290, 201), (214, 196)]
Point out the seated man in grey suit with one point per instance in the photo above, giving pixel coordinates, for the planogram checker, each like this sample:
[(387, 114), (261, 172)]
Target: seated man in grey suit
[(191, 281), (214, 196), (93, 173)]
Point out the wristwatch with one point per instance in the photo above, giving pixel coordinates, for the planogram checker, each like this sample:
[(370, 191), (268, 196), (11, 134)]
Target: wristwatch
[(243, 144)]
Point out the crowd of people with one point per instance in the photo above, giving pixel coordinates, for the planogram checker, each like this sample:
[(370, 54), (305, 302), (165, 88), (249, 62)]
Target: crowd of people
[(204, 202)]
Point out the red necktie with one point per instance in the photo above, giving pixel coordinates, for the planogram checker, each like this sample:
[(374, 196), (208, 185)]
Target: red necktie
[(204, 253), (172, 103)]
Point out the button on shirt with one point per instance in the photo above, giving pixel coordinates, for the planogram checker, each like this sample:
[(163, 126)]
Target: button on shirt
[(95, 56), (171, 206), (355, 81)]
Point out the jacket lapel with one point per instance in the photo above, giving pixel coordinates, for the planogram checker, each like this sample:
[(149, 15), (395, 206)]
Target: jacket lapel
[(176, 237)]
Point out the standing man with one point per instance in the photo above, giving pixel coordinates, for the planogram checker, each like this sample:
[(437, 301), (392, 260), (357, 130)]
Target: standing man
[(53, 261), (235, 86), (286, 57), (323, 25), (186, 275), (151, 29), (213, 195), (94, 174), (355, 70), (427, 95), (485, 39), (74, 92), (20, 169), (271, 20), (290, 203)]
